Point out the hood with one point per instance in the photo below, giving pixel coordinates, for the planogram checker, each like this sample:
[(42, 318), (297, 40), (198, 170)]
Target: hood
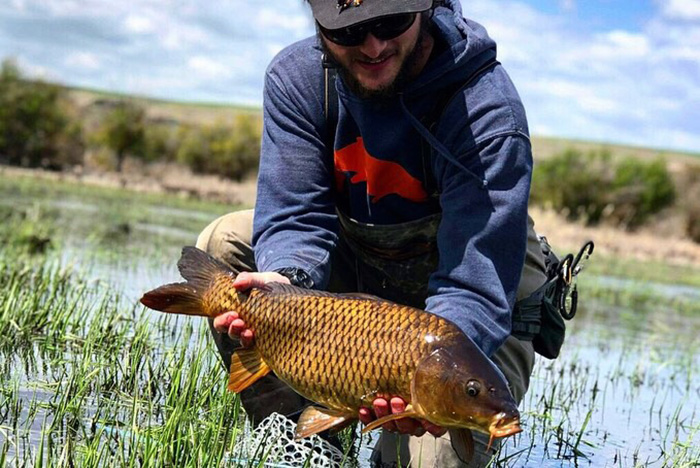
[(469, 47)]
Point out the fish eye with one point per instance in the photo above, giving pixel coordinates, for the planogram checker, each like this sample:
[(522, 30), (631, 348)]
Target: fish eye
[(473, 388)]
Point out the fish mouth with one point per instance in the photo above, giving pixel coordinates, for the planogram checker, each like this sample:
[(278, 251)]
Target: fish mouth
[(504, 425)]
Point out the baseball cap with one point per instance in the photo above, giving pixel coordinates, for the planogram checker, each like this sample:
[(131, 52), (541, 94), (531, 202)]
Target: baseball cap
[(336, 14)]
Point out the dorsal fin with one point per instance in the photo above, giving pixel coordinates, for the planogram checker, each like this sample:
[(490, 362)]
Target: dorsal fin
[(198, 267)]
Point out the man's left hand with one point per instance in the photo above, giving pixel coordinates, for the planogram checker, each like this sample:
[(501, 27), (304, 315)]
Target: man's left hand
[(408, 426)]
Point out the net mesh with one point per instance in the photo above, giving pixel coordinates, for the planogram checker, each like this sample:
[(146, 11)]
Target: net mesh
[(272, 445)]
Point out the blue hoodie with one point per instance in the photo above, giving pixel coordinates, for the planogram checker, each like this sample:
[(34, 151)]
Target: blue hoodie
[(481, 163)]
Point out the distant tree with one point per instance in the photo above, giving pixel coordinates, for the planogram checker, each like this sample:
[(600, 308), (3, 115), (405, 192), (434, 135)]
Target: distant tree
[(123, 130), (36, 129), (596, 187), (231, 150)]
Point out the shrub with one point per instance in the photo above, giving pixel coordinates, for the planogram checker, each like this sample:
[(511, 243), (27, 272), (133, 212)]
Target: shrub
[(236, 149), (594, 187), (690, 200), (231, 151), (123, 131), (193, 149), (36, 129), (639, 190), (160, 143), (572, 183)]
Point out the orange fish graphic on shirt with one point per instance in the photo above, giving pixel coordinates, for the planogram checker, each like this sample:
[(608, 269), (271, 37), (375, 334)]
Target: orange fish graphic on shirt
[(382, 177)]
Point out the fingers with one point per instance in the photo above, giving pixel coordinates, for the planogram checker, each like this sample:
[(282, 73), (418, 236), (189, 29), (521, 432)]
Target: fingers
[(236, 327), (247, 280), (382, 408), (224, 321), (366, 415), (231, 324), (405, 425), (410, 426), (247, 338), (433, 429)]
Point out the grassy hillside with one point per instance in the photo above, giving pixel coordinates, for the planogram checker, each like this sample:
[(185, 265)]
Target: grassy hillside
[(208, 113), (545, 147), (191, 112)]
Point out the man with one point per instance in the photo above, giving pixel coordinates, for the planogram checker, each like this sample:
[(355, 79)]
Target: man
[(376, 202)]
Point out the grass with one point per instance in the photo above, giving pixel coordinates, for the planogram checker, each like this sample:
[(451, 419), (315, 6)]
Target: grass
[(111, 385), (546, 147)]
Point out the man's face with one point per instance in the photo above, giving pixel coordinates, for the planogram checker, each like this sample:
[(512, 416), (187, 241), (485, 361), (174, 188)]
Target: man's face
[(376, 68)]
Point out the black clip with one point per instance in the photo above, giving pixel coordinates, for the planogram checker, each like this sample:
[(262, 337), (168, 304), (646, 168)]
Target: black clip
[(569, 268)]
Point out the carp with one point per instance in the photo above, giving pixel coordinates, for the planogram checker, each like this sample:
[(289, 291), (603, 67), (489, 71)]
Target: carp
[(344, 350)]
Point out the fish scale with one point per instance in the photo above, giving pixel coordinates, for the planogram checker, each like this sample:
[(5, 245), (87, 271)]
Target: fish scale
[(366, 361)]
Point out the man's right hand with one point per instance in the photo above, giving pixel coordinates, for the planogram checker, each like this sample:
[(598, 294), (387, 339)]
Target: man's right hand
[(230, 322)]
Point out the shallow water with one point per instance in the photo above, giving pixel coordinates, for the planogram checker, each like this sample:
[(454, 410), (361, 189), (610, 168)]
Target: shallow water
[(625, 392)]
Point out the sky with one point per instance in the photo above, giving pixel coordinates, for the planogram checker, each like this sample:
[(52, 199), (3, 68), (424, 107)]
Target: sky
[(619, 71)]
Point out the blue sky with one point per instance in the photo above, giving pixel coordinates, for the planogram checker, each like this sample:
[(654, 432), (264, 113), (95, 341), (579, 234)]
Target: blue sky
[(624, 71)]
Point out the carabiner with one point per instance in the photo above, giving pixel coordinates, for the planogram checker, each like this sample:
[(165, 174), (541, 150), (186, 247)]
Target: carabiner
[(565, 270), (569, 314), (583, 254)]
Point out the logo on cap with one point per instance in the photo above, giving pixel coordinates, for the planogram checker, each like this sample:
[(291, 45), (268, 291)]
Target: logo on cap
[(343, 4)]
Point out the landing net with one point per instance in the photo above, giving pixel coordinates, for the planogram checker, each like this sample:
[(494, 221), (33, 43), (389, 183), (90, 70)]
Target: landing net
[(272, 445)]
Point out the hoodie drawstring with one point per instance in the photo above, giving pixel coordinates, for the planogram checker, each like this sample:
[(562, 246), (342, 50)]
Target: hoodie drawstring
[(437, 144)]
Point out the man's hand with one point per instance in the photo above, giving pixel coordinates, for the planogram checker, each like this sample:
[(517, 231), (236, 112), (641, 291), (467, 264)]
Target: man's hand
[(230, 322), (409, 426)]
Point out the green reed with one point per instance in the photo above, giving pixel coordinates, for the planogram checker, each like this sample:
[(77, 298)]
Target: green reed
[(109, 384)]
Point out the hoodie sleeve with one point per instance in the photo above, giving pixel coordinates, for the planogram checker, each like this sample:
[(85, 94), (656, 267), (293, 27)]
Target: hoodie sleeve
[(483, 234), (295, 223)]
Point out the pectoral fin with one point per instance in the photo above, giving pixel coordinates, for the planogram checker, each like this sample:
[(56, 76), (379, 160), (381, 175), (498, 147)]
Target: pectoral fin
[(463, 444), (247, 366), (409, 413), (314, 420)]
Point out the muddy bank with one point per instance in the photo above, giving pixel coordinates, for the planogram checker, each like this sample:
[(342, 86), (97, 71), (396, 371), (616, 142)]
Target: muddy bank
[(155, 178), (659, 241)]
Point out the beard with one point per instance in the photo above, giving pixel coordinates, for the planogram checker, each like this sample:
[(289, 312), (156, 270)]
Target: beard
[(406, 72)]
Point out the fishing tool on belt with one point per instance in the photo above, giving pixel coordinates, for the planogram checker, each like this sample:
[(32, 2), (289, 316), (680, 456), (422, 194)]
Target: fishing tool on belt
[(540, 316)]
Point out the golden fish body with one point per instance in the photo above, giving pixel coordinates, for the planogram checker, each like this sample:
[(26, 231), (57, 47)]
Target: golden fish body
[(344, 350), (340, 350)]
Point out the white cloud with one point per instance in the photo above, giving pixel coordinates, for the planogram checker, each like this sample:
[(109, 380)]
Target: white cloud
[(636, 86), (567, 5), (205, 67), (682, 9), (139, 24), (271, 18), (18, 4), (617, 44), (84, 60)]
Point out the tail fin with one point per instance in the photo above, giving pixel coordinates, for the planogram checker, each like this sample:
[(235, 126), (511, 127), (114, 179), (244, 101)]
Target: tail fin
[(199, 269)]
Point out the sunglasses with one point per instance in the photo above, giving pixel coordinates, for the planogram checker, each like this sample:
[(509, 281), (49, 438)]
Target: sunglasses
[(384, 29)]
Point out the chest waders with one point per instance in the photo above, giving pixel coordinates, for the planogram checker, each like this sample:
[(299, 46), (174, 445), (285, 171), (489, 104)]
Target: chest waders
[(396, 260)]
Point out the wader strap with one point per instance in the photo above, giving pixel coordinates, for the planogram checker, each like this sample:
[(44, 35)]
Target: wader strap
[(330, 102)]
